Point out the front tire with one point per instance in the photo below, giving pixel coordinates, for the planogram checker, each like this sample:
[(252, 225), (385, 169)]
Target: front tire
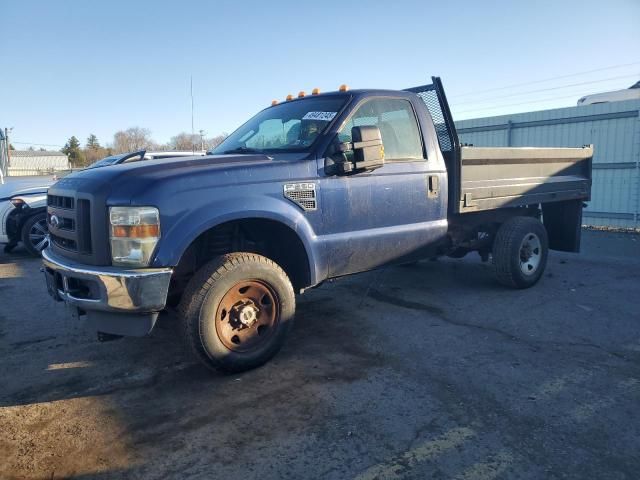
[(520, 252), (237, 311), (35, 233)]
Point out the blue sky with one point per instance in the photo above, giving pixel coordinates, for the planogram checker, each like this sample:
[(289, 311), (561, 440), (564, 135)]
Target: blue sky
[(80, 67)]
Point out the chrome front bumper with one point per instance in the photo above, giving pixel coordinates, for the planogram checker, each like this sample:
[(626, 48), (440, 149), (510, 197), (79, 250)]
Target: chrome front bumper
[(106, 289)]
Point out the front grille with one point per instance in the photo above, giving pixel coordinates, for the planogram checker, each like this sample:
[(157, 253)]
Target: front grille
[(69, 222), (84, 221), (64, 243), (60, 202)]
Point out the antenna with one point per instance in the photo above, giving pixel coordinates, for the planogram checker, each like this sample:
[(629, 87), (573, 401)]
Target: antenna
[(192, 129)]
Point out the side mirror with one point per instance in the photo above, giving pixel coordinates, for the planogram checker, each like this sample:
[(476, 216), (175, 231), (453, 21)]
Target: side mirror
[(368, 151)]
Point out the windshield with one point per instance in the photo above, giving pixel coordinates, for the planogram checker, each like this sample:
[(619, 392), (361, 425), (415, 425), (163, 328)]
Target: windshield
[(107, 161), (116, 159), (290, 126)]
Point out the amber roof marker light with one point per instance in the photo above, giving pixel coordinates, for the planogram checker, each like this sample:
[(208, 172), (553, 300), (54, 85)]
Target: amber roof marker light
[(315, 91), (289, 97), (274, 102), (343, 88), (301, 94)]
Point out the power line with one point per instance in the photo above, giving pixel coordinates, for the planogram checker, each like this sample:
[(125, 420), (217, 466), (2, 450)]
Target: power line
[(547, 89), (515, 104), (505, 87)]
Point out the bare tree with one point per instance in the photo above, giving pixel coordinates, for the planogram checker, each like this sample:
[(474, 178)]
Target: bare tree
[(213, 142), (136, 138), (131, 139), (93, 151), (94, 154), (185, 141)]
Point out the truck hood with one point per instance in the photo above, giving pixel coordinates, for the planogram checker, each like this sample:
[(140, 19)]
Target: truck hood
[(130, 182)]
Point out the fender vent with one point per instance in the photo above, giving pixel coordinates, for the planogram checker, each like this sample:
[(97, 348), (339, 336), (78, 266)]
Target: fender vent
[(302, 194)]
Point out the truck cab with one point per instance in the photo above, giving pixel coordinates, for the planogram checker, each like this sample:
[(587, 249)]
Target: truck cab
[(312, 188)]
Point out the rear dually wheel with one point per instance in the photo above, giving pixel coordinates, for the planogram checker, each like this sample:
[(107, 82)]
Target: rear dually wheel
[(520, 251)]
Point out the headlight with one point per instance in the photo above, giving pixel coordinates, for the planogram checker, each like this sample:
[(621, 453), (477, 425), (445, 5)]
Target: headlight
[(135, 231), (27, 201)]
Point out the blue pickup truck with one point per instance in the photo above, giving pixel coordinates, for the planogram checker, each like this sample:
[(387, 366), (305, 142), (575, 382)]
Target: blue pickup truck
[(311, 188)]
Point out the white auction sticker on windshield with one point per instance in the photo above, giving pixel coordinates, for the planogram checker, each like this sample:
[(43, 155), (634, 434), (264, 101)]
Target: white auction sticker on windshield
[(323, 116)]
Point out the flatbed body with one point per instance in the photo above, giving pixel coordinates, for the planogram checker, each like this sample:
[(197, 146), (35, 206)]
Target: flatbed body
[(515, 177)]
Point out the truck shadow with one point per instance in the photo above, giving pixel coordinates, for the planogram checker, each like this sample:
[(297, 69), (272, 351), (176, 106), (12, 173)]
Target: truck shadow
[(153, 393), (320, 344), (128, 400), (329, 340)]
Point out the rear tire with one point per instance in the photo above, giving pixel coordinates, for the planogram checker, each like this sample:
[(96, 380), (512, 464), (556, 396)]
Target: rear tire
[(34, 234), (237, 311), (520, 252)]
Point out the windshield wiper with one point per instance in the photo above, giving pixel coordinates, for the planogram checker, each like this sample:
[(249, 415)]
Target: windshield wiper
[(242, 150)]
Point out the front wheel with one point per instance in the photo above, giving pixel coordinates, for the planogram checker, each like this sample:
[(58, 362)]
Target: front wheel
[(35, 234), (237, 311), (520, 252)]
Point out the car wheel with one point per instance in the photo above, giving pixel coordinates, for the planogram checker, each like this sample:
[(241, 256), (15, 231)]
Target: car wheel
[(35, 234)]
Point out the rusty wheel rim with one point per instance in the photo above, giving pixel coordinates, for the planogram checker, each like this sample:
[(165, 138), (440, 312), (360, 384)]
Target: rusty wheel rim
[(247, 316)]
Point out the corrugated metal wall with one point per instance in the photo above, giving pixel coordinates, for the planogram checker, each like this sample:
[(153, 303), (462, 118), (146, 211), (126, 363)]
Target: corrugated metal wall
[(613, 129), (27, 162)]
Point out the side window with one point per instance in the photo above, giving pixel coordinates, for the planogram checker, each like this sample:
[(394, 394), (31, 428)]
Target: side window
[(397, 123)]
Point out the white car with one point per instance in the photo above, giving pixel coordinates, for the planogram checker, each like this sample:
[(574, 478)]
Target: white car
[(631, 93), (23, 216)]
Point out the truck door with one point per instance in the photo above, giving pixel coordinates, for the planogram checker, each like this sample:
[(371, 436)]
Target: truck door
[(393, 213)]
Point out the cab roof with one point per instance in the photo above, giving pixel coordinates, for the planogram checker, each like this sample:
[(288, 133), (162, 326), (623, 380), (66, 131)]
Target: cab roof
[(358, 93)]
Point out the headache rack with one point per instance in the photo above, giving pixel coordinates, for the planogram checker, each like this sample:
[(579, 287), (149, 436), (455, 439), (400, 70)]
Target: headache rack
[(435, 100), (489, 178)]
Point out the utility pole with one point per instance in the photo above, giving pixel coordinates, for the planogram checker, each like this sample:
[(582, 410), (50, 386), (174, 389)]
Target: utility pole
[(202, 140), (4, 147), (192, 130), (6, 136), (4, 168)]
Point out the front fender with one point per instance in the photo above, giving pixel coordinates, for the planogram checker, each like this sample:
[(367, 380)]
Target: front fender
[(185, 227)]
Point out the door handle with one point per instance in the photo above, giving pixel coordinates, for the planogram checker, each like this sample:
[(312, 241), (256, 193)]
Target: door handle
[(433, 186)]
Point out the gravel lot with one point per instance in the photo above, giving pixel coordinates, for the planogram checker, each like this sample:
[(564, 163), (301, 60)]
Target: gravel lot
[(426, 371)]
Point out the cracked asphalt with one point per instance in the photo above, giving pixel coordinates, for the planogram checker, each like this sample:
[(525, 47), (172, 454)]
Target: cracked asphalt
[(425, 371)]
